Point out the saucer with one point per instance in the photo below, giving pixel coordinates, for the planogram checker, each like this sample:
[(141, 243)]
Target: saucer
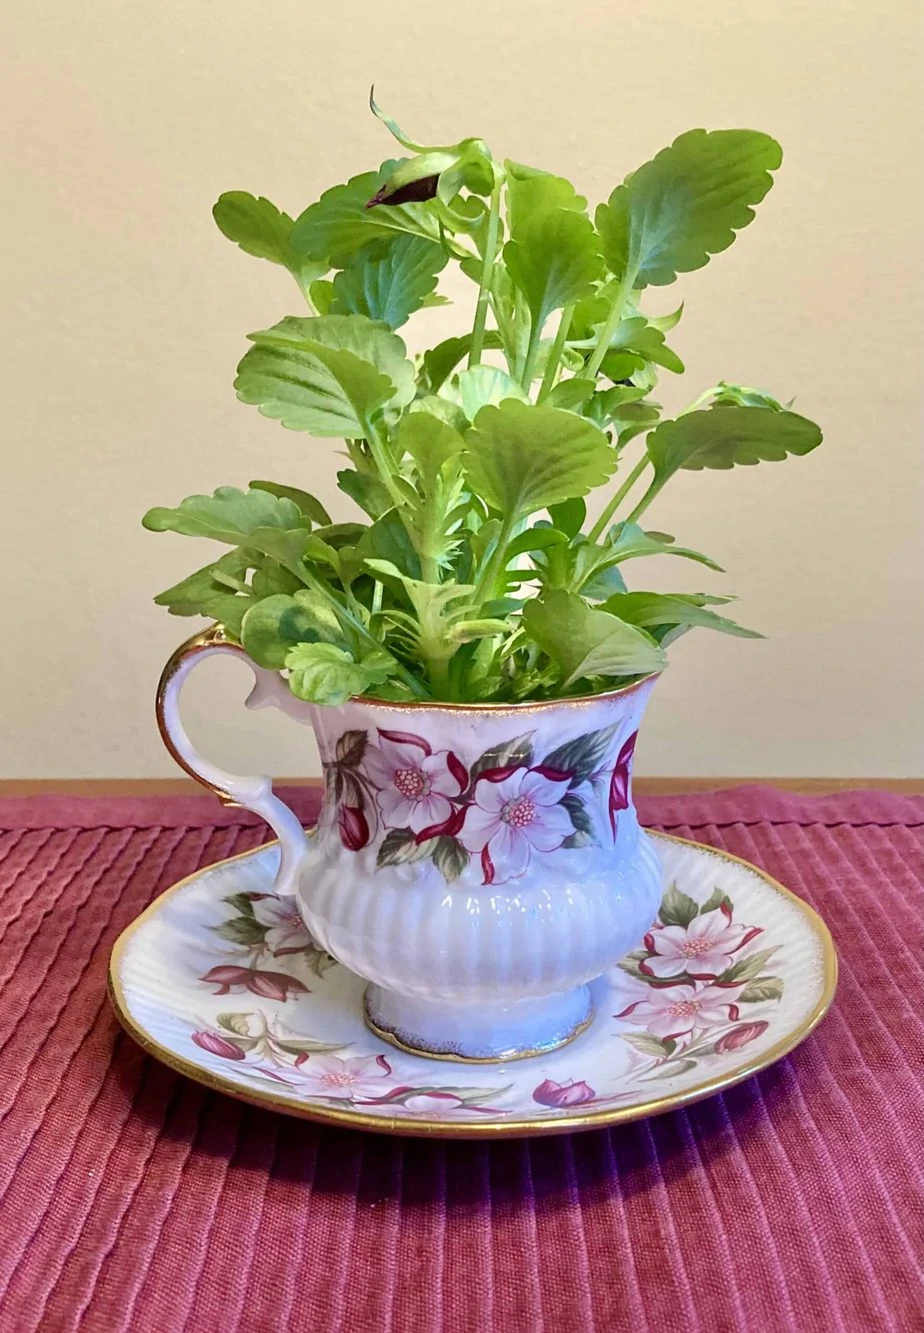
[(220, 980)]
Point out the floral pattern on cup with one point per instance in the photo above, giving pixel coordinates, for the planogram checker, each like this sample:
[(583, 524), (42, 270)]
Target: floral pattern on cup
[(504, 808)]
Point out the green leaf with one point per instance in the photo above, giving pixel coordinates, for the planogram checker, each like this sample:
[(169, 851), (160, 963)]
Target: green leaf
[(322, 673), (554, 261), (720, 437), (400, 847), (677, 908), (242, 930), (263, 230), (686, 204), (584, 642), (481, 386), (746, 969), (652, 609), (366, 490), (629, 541), (649, 1044), (387, 541), (450, 857), (582, 756), (572, 395), (521, 457), (532, 193), (583, 835), (716, 900), (275, 625), (196, 594), (569, 516), (309, 506), (389, 280), (440, 361), (230, 515), (340, 223), (514, 753), (327, 374), (431, 443), (762, 988)]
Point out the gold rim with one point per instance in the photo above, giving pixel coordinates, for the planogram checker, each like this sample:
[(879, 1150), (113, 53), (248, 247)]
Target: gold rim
[(491, 1129), (508, 1059)]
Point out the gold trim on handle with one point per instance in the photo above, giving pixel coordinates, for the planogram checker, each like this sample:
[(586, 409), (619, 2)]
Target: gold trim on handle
[(207, 640), (493, 1129)]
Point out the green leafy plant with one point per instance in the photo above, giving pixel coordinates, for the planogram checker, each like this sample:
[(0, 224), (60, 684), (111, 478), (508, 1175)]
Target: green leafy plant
[(474, 573)]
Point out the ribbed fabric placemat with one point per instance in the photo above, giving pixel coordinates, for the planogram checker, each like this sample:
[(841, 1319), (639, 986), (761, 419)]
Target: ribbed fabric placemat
[(133, 1201)]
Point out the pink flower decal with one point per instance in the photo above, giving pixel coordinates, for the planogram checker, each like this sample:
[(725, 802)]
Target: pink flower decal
[(360, 1078), (413, 783), (701, 949), (671, 1012), (569, 1093), (216, 1045), (619, 782), (287, 932), (354, 827), (742, 1035), (270, 985), (514, 813)]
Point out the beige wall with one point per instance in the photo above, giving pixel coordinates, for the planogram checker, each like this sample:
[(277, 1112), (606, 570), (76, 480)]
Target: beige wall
[(125, 310)]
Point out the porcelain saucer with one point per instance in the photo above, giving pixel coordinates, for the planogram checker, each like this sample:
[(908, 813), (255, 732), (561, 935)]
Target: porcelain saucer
[(219, 979)]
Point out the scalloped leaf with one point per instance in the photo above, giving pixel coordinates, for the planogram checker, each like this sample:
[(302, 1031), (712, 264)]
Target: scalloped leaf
[(723, 437), (686, 204), (520, 457), (327, 374), (340, 222), (389, 279), (584, 642), (554, 261)]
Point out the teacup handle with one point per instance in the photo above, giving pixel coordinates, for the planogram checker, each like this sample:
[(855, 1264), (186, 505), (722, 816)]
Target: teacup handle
[(253, 793)]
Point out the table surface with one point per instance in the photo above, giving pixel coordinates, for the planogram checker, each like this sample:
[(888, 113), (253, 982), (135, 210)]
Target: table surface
[(133, 1200)]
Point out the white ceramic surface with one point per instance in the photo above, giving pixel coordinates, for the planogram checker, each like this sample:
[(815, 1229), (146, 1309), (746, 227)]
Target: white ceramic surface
[(220, 979), (477, 866)]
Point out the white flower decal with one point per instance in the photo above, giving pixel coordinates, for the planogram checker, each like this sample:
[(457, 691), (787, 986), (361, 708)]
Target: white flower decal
[(702, 949), (360, 1078), (287, 931), (672, 1012), (413, 784), (512, 815)]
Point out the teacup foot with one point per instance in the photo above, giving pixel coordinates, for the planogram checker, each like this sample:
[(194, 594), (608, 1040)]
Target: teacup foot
[(484, 1033)]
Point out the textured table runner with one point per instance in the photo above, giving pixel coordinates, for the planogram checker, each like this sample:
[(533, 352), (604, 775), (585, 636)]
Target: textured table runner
[(134, 1201)]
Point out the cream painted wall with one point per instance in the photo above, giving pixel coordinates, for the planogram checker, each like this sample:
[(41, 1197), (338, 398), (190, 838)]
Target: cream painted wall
[(124, 313)]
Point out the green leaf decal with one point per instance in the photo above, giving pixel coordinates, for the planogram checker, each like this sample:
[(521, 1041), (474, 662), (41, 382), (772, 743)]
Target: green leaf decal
[(241, 902), (583, 756), (583, 835), (716, 900), (649, 1044), (686, 204), (746, 969), (450, 857), (521, 458), (400, 847), (677, 908), (509, 754), (243, 930), (762, 988)]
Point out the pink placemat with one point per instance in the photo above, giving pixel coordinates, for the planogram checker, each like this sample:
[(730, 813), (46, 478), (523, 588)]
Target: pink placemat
[(133, 1201)]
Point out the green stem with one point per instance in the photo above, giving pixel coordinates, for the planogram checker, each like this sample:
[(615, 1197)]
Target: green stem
[(645, 501), (484, 287), (555, 351), (532, 351), (599, 527), (612, 323), (487, 579)]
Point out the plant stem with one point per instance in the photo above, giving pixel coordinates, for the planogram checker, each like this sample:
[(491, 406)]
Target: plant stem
[(484, 587), (598, 528), (609, 328), (645, 501), (532, 351), (484, 287), (555, 351)]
